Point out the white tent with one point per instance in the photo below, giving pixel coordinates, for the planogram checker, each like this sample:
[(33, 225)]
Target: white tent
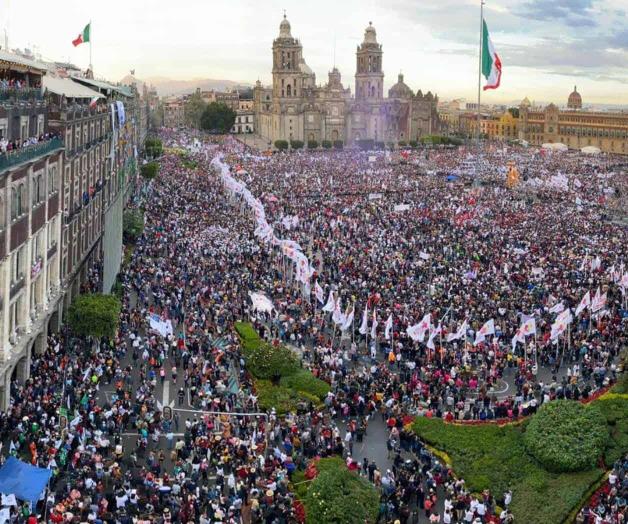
[(558, 146), (591, 150)]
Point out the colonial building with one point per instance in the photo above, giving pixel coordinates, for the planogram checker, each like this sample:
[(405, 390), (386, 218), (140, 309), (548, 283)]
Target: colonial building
[(174, 113), (30, 219), (574, 127), (67, 167), (295, 108)]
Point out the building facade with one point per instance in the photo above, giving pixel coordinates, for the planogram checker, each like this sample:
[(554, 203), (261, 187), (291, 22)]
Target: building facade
[(295, 108), (30, 221), (67, 168), (174, 113), (574, 127)]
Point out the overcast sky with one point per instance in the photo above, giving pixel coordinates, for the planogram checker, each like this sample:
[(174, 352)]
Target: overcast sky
[(546, 46)]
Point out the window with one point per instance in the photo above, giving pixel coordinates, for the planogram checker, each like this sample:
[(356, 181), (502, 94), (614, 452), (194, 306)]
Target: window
[(17, 264), (38, 188), (1, 213), (17, 201), (289, 90), (52, 179)]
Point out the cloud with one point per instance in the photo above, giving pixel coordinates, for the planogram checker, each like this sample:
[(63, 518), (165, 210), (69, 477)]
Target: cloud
[(573, 13), (577, 55), (598, 77)]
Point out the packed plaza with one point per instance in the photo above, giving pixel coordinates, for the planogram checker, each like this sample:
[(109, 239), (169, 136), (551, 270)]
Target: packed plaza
[(413, 283)]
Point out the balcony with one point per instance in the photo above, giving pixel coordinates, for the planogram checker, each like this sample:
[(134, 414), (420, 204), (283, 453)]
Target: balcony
[(14, 158), (24, 93)]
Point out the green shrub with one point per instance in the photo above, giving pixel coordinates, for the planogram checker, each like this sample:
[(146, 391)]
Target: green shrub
[(567, 436), (338, 144), (339, 496), (614, 408), (153, 147), (326, 144), (149, 170), (401, 143), (282, 145), (283, 400), (312, 144), (132, 225), (95, 315), (296, 144), (303, 381), (249, 337), (390, 145), (271, 362), (413, 144)]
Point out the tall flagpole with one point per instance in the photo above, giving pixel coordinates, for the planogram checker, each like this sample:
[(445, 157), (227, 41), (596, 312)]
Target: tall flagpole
[(480, 66), (91, 67)]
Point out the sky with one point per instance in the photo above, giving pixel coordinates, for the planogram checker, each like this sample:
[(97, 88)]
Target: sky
[(546, 46)]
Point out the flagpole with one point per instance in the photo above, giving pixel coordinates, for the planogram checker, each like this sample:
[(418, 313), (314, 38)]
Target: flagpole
[(91, 67), (480, 66)]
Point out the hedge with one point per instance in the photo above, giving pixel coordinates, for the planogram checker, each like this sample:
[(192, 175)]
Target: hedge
[(312, 144), (326, 144), (282, 145), (296, 144), (280, 381), (614, 407), (339, 496), (303, 381), (494, 457), (338, 144), (567, 436), (413, 144), (248, 336), (282, 399)]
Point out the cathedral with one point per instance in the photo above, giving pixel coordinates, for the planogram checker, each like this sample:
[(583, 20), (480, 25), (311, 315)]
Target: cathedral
[(295, 108)]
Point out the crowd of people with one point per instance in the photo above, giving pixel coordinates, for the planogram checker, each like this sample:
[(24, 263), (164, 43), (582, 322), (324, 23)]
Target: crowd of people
[(461, 252), (8, 147)]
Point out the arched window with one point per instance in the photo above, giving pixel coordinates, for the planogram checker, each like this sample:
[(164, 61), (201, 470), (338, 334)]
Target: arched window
[(14, 212), (289, 90)]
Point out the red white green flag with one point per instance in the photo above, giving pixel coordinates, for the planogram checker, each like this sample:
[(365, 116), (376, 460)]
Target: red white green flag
[(491, 64), (83, 37)]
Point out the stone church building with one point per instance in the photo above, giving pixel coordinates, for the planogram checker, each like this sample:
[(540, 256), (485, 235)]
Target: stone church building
[(295, 108)]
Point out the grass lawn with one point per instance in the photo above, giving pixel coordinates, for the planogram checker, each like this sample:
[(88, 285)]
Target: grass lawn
[(494, 457)]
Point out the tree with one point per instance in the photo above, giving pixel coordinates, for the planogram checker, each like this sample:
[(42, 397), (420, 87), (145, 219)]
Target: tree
[(153, 147), (282, 145), (326, 144), (193, 110), (312, 144), (149, 170), (132, 225), (95, 315), (296, 144), (338, 144), (217, 118), (514, 111), (401, 143), (413, 144)]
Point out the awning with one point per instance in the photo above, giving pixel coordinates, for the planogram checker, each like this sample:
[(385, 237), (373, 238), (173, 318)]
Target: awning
[(99, 84), (24, 481), (69, 88), (20, 63)]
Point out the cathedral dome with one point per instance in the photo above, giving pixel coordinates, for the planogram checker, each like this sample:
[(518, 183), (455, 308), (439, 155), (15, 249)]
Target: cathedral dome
[(575, 100), (284, 28), (370, 35), (400, 89), (525, 103)]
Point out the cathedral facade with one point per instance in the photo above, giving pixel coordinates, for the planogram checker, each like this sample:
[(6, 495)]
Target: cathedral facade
[(295, 108)]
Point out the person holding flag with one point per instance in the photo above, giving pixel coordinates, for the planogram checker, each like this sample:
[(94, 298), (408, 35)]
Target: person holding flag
[(487, 329)]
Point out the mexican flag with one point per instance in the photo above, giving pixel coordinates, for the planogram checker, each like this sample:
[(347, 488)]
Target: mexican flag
[(491, 64), (83, 37)]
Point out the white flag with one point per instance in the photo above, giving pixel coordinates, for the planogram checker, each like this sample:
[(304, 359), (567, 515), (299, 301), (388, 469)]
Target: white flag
[(348, 320), (560, 324), (320, 294), (433, 333), (364, 326), (374, 325), (584, 303), (260, 302), (598, 302), (596, 263), (557, 308), (331, 303), (487, 329), (528, 327), (461, 333), (338, 316), (388, 327)]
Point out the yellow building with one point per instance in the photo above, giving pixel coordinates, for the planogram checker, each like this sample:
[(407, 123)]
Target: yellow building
[(576, 128), (502, 127)]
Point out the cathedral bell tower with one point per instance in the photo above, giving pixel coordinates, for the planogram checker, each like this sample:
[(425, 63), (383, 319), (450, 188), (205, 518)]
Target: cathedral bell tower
[(287, 55), (369, 77)]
